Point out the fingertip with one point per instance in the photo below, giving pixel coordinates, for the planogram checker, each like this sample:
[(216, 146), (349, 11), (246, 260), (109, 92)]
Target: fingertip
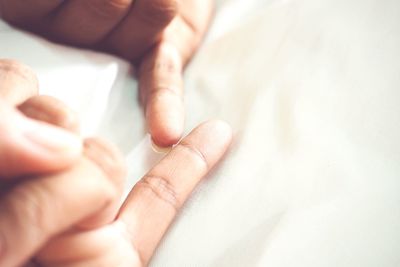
[(220, 128), (165, 136), (165, 123), (212, 138), (160, 149), (216, 131)]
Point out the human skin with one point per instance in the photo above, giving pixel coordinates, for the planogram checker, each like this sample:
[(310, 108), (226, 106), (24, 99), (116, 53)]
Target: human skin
[(42, 192), (72, 216), (144, 218), (158, 36), (40, 146)]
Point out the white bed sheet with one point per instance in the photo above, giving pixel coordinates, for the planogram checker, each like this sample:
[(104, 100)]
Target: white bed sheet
[(312, 90)]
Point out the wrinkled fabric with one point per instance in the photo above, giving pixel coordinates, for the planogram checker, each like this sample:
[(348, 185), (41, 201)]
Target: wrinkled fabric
[(312, 91)]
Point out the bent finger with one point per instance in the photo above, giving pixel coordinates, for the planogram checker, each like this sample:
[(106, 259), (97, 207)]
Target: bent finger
[(23, 12), (142, 27), (108, 158), (50, 110), (29, 147), (155, 200), (40, 208), (94, 19)]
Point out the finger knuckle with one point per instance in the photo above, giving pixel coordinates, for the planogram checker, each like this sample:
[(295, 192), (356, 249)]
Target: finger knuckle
[(15, 68), (162, 190), (108, 9), (117, 173), (6, 12), (168, 61), (110, 193), (158, 12), (109, 160), (23, 72), (164, 93), (28, 206), (98, 186), (107, 191)]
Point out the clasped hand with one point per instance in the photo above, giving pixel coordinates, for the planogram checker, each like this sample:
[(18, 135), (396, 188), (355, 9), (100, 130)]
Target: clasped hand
[(60, 196)]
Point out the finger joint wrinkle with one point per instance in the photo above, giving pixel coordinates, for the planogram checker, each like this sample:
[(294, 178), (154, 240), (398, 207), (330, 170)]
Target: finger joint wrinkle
[(196, 152), (162, 189)]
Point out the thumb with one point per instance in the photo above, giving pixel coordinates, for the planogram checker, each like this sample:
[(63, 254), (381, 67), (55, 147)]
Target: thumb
[(28, 146)]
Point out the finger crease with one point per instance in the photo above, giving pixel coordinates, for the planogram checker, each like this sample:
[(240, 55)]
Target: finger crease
[(188, 23), (109, 10), (163, 189), (169, 66), (162, 89), (194, 150)]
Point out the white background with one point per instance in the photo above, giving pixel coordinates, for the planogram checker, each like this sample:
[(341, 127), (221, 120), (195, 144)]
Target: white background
[(312, 90)]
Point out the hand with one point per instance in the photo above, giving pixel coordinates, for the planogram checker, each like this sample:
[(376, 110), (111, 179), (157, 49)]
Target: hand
[(81, 217), (140, 31), (132, 237), (36, 207), (127, 28), (28, 146)]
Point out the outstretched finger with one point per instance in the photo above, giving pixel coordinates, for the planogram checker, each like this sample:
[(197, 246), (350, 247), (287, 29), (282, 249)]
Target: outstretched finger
[(161, 71), (155, 200), (161, 90)]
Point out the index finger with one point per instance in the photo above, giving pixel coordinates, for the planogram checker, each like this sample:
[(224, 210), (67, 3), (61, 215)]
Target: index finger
[(155, 200)]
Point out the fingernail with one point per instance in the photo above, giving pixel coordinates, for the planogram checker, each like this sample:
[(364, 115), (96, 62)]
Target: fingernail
[(160, 149), (50, 137)]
